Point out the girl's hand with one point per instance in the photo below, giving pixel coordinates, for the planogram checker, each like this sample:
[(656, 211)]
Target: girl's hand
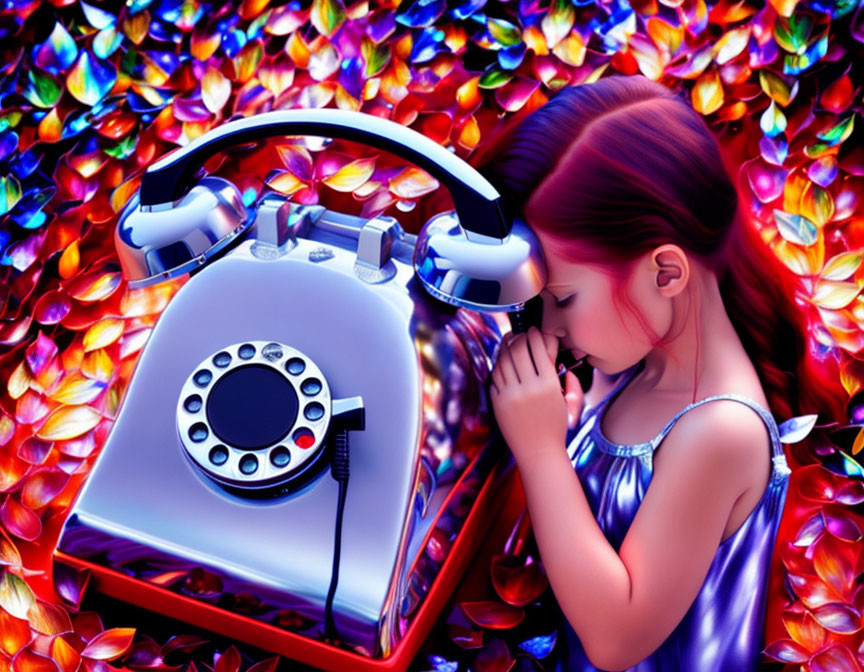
[(527, 399)]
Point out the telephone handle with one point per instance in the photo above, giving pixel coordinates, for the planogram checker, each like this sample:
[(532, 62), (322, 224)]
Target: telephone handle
[(478, 204)]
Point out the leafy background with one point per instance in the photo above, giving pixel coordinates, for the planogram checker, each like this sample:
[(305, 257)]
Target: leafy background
[(92, 93)]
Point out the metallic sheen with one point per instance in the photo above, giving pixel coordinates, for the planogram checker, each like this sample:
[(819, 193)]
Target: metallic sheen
[(156, 244), (723, 629), (419, 365), (476, 275)]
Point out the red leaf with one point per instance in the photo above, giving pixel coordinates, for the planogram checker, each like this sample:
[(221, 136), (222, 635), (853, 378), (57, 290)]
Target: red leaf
[(838, 617), (493, 614), (803, 628), (27, 660), (42, 486), (20, 520), (109, 644), (841, 524), (228, 661), (266, 665), (495, 657), (787, 651), (87, 625), (833, 564), (465, 638), (34, 450), (515, 582), (835, 658), (144, 654), (518, 537)]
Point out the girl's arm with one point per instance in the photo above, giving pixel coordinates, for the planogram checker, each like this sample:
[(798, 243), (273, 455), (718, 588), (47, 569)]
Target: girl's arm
[(624, 605)]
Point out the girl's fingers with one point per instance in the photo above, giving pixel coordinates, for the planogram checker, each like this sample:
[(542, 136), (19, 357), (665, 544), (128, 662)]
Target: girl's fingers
[(574, 398), (522, 359), (509, 365), (497, 376), (505, 364), (543, 362), (551, 343)]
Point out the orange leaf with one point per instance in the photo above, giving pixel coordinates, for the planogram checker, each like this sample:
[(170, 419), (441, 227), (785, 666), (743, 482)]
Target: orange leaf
[(14, 633), (49, 619), (65, 655)]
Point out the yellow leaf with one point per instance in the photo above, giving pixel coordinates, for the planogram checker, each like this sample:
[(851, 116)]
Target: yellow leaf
[(731, 44), (352, 175), (775, 87), (834, 295), (76, 389), (817, 204), (19, 381), (707, 95), (98, 365), (16, 598), (68, 422), (103, 333), (412, 183), (571, 50), (843, 265), (665, 35)]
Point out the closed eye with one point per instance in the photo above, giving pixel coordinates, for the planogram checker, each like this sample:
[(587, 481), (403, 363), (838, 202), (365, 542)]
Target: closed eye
[(565, 302)]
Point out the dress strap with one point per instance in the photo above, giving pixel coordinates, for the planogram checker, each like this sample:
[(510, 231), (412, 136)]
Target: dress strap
[(776, 449)]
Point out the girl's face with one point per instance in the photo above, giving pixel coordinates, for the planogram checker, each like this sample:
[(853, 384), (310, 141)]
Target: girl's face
[(579, 308)]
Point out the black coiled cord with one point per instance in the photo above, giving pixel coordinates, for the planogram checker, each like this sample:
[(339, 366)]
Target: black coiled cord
[(339, 471)]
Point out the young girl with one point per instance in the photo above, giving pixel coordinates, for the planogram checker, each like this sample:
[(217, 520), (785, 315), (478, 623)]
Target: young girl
[(656, 525)]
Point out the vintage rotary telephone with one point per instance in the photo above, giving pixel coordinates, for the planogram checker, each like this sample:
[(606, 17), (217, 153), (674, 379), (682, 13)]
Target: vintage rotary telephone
[(253, 411)]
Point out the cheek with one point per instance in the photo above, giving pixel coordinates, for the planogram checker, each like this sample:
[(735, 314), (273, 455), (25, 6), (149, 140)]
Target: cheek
[(656, 315)]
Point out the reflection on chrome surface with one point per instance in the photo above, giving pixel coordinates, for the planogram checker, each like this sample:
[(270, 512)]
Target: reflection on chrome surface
[(421, 369)]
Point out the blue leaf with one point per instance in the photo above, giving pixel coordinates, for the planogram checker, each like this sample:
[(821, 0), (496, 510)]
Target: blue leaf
[(795, 429), (539, 647)]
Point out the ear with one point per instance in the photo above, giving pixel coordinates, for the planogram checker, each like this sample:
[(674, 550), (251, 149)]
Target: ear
[(672, 270)]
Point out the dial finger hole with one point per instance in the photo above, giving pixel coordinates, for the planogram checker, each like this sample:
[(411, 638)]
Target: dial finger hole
[(198, 432), (280, 456), (295, 366), (193, 403), (248, 464), (221, 359), (314, 411), (311, 386), (203, 377), (218, 455), (303, 437)]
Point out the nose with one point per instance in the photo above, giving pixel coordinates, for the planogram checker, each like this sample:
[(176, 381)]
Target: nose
[(550, 321)]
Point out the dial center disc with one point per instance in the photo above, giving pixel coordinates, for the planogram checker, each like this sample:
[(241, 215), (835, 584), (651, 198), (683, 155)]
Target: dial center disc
[(252, 407)]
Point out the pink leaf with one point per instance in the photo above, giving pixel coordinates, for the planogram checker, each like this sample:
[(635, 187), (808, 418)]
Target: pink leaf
[(109, 644)]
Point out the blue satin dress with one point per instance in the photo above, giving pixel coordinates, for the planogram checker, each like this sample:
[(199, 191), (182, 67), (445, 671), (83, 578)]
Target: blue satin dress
[(723, 630)]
